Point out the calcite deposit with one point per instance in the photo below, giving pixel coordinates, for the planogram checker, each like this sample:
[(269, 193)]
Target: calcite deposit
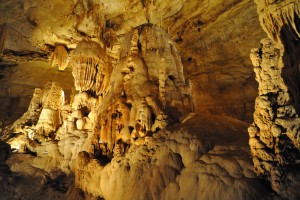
[(112, 108), (149, 99), (121, 126), (274, 139), (60, 58), (90, 67)]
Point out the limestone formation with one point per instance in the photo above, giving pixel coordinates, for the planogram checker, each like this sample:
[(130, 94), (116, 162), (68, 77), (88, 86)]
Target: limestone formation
[(127, 115), (274, 134), (53, 96), (52, 102), (60, 58), (109, 112), (89, 67), (48, 121), (273, 15), (172, 165), (89, 18), (36, 27)]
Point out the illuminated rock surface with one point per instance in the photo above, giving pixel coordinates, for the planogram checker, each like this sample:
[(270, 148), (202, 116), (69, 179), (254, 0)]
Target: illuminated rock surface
[(149, 99), (274, 135)]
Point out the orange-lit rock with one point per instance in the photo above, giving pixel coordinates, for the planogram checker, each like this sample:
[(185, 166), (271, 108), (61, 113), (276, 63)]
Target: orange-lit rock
[(274, 140), (149, 99)]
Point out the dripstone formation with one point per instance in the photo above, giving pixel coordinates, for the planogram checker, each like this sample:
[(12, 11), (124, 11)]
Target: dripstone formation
[(127, 131), (274, 135), (149, 99), (116, 104)]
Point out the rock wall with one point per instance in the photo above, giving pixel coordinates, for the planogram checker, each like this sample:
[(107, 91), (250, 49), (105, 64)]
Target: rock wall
[(274, 136), (217, 62), (18, 81)]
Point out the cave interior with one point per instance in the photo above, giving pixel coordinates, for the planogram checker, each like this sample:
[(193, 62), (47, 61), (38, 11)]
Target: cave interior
[(149, 99)]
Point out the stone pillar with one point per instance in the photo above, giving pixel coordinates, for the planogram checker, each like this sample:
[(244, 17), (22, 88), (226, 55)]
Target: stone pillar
[(275, 133)]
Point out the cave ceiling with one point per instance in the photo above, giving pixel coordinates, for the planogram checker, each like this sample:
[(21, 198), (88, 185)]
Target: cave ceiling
[(214, 39), (211, 35)]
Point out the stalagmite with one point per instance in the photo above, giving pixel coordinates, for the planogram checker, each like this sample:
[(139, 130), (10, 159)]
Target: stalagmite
[(53, 96), (274, 135), (52, 102), (48, 122)]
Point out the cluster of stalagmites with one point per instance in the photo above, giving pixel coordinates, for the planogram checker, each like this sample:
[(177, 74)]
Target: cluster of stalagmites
[(274, 135), (115, 107)]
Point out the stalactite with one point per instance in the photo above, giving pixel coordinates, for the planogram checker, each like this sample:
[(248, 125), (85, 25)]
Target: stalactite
[(143, 121), (133, 52), (103, 76), (148, 4), (274, 15), (85, 62), (60, 58)]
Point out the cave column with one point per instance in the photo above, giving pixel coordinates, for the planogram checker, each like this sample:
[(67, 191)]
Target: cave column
[(275, 133)]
